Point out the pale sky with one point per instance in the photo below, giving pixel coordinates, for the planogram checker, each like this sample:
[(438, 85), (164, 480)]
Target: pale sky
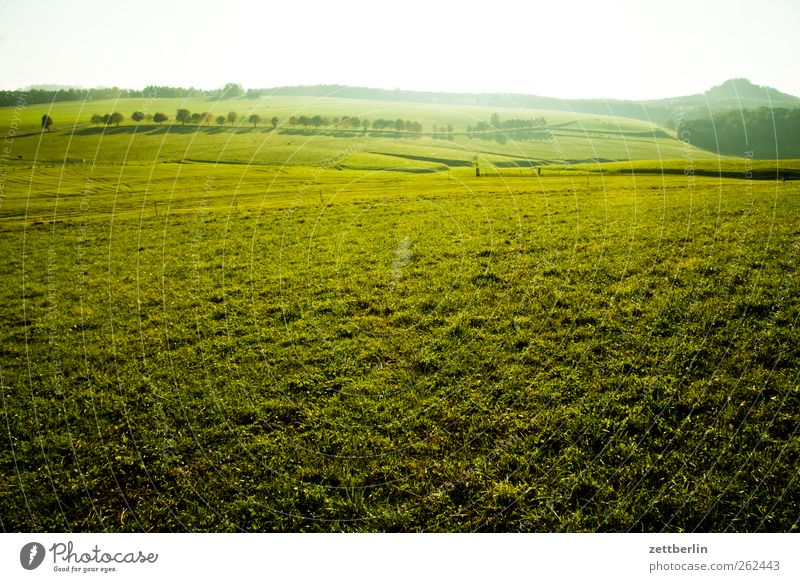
[(623, 49)]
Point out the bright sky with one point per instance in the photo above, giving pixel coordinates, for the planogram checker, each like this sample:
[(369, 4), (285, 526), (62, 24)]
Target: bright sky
[(624, 49)]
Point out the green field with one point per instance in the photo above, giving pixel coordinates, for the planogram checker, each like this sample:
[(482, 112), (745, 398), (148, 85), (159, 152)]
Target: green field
[(257, 329), (569, 138), (68, 113)]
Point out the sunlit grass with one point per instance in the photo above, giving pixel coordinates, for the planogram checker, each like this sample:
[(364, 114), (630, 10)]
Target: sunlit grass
[(268, 347)]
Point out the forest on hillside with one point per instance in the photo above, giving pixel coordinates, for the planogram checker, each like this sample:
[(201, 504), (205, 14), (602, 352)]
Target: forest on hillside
[(758, 133)]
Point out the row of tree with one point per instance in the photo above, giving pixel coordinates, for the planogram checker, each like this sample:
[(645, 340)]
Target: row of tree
[(496, 124), (345, 122), (397, 125), (356, 122), (33, 96), (117, 118), (108, 119), (58, 94), (184, 116)]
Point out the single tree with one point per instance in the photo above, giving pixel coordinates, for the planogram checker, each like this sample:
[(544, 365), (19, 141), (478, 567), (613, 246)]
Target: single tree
[(137, 116), (274, 122), (47, 121), (495, 121), (293, 121), (196, 118), (183, 115), (232, 117), (221, 120), (365, 123), (255, 119), (115, 118), (316, 121), (399, 124), (206, 117), (231, 91), (160, 117), (97, 119)]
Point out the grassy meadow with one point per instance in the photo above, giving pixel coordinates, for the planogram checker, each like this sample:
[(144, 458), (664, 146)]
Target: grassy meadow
[(568, 139), (264, 329)]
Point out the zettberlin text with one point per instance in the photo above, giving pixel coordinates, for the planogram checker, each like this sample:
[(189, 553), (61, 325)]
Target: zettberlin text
[(675, 549)]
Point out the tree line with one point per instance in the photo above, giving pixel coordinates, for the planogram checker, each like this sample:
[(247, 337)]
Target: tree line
[(767, 133), (34, 96), (497, 124), (184, 116), (355, 123)]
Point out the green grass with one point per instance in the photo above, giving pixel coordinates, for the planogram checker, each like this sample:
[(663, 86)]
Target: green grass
[(225, 331), (570, 139), (68, 113)]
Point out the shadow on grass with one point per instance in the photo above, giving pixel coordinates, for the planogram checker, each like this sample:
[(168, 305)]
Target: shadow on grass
[(342, 133), (155, 129), (446, 161), (770, 174)]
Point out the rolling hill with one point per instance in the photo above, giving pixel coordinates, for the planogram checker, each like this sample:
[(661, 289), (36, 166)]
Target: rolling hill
[(732, 94), (457, 129)]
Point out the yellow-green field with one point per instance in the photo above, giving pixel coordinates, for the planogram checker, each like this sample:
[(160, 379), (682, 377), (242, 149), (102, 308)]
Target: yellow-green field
[(254, 329), (568, 138)]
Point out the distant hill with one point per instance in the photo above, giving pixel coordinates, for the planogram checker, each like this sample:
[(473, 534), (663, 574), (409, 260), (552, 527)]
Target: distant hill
[(731, 119), (730, 95), (733, 94), (51, 87), (745, 91)]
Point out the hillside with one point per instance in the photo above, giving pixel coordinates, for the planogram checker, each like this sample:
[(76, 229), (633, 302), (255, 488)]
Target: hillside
[(764, 132), (313, 324), (732, 94), (449, 135)]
